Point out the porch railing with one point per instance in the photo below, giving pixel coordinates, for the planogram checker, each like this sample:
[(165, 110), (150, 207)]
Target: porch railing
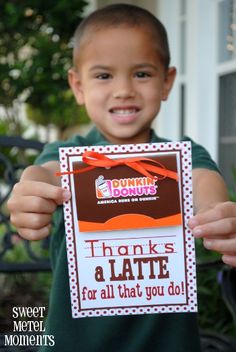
[(15, 154)]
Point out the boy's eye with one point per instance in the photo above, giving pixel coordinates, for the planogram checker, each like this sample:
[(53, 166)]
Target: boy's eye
[(103, 76), (142, 74)]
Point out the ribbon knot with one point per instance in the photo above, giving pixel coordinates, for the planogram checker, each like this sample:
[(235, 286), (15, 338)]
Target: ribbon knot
[(140, 164)]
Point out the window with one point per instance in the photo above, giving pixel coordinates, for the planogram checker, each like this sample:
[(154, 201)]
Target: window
[(227, 88), (227, 126)]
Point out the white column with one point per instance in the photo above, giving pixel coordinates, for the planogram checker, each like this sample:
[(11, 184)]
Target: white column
[(202, 107), (167, 122)]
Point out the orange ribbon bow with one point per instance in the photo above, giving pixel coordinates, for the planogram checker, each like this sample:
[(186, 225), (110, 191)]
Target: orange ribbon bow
[(139, 164)]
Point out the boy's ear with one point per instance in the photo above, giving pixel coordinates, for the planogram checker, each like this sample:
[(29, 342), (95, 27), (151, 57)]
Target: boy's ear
[(169, 81), (76, 86)]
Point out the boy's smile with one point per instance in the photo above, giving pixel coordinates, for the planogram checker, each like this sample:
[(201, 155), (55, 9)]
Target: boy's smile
[(124, 114), (121, 81)]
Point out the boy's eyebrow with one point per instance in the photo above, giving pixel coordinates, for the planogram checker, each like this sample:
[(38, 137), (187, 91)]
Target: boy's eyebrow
[(146, 65), (99, 67), (137, 66)]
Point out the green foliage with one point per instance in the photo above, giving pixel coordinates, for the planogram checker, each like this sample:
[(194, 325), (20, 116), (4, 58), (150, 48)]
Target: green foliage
[(62, 115), (213, 313), (232, 190), (15, 155), (19, 253), (22, 289), (3, 128), (35, 55)]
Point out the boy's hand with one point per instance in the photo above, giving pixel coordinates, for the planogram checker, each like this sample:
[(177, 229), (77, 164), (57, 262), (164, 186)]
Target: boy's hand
[(217, 226), (31, 206)]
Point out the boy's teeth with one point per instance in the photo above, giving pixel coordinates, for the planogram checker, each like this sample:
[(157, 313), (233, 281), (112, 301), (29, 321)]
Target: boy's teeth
[(123, 112)]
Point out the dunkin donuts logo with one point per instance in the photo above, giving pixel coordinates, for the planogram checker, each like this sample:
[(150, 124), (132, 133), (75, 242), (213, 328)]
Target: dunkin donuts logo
[(125, 187)]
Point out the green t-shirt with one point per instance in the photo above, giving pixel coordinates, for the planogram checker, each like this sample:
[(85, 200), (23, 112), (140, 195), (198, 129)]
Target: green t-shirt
[(175, 332)]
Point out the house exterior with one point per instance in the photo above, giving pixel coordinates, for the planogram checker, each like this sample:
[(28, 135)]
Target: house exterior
[(202, 105)]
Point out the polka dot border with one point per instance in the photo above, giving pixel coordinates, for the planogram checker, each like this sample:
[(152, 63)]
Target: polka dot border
[(184, 148)]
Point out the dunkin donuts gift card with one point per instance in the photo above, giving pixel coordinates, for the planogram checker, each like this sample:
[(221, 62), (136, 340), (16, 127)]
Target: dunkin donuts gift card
[(129, 248)]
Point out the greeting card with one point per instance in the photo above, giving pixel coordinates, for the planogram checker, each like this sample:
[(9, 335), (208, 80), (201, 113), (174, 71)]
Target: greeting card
[(129, 247)]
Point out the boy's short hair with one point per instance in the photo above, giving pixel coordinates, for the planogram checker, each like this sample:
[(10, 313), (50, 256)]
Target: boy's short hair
[(124, 15)]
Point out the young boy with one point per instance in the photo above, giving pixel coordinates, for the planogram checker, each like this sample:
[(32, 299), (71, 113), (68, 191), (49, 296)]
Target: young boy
[(121, 74)]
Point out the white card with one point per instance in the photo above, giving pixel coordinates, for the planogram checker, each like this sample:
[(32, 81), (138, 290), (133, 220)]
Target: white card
[(129, 248)]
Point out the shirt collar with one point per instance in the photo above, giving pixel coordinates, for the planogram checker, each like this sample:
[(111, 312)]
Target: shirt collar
[(94, 137)]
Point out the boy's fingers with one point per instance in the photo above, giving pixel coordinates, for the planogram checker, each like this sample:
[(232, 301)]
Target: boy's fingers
[(216, 228), (222, 246), (220, 211), (32, 204), (34, 235), (33, 221), (229, 259), (66, 195), (43, 190)]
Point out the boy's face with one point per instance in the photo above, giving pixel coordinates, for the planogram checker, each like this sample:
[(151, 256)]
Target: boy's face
[(121, 82)]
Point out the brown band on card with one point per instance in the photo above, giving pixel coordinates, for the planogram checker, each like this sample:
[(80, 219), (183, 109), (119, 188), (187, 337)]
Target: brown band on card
[(120, 197)]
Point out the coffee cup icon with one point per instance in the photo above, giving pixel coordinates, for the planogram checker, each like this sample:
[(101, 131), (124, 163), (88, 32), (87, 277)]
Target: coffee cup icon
[(102, 188)]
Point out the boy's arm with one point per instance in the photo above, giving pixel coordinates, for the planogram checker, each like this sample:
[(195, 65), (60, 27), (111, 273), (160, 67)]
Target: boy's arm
[(215, 218), (34, 199)]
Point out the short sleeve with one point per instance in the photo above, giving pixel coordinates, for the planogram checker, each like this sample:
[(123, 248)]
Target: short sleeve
[(51, 150), (201, 157)]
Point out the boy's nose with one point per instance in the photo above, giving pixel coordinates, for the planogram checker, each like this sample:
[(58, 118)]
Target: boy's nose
[(123, 90), (123, 94)]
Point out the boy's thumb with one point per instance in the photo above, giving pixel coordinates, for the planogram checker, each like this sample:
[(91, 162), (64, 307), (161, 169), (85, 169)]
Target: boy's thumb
[(65, 195)]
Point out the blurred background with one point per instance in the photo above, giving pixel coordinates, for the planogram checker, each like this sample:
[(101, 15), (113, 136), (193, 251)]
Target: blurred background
[(36, 103), (35, 54)]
